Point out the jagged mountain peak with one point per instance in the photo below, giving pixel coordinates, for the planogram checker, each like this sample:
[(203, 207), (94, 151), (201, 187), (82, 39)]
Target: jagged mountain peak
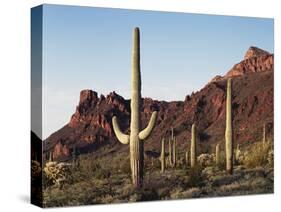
[(254, 51)]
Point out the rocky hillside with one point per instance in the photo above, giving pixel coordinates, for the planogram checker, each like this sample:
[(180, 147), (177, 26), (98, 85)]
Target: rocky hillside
[(90, 126)]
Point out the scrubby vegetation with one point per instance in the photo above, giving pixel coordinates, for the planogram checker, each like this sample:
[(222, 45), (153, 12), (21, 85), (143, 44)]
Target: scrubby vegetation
[(106, 179), (260, 154)]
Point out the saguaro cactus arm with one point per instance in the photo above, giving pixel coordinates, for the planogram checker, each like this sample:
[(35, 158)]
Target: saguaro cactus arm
[(144, 134), (123, 138)]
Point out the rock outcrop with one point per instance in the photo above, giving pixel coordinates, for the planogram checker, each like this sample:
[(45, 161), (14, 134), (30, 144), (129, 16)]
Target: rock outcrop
[(255, 60), (255, 52), (90, 126)]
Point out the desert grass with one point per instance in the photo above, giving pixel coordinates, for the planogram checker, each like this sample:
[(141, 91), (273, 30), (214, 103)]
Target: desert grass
[(106, 179)]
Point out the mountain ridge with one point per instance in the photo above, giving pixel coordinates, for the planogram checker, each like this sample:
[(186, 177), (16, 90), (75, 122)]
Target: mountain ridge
[(90, 126)]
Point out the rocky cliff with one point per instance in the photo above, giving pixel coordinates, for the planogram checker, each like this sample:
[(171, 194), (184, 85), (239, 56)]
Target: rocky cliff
[(90, 126)]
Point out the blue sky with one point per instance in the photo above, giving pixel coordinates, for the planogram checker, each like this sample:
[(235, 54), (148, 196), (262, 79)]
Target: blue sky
[(90, 48)]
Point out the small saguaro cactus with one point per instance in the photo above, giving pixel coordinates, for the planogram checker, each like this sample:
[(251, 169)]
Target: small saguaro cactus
[(51, 156), (229, 129), (74, 155), (187, 157), (193, 153), (237, 154), (217, 154), (264, 135), (136, 137), (162, 156)]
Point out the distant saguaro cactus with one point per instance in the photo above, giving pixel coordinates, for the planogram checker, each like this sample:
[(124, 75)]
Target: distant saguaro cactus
[(193, 153), (187, 157), (162, 156), (74, 155), (217, 154), (237, 154), (228, 129), (264, 135), (136, 137)]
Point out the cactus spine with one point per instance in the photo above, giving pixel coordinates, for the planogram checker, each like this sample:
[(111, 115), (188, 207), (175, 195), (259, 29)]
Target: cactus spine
[(162, 157), (136, 137), (228, 129), (217, 154), (193, 154)]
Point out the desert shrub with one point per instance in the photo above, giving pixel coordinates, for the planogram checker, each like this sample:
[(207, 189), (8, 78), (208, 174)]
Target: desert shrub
[(124, 166), (257, 155), (221, 163), (223, 179), (206, 159), (270, 158), (146, 194), (229, 189), (163, 192), (192, 193), (89, 167), (46, 181), (58, 173), (102, 173), (176, 193), (195, 176), (35, 169)]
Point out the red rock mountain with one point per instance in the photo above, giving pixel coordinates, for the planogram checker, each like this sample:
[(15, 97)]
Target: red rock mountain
[(90, 126)]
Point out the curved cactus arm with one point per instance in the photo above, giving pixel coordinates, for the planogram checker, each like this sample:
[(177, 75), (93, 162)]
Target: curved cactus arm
[(146, 132), (123, 138)]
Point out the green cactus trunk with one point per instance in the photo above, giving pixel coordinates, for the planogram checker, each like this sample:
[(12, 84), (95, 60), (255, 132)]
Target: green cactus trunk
[(162, 157), (135, 140), (193, 149), (136, 146), (217, 154), (229, 130)]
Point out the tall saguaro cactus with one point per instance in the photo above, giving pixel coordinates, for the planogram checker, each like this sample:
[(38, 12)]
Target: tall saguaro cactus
[(162, 156), (193, 153), (172, 149), (136, 137), (228, 129), (217, 154)]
